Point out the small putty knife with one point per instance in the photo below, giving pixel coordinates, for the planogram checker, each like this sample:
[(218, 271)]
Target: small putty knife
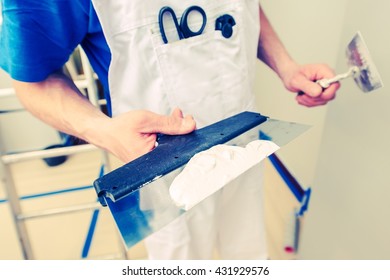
[(135, 192), (361, 67)]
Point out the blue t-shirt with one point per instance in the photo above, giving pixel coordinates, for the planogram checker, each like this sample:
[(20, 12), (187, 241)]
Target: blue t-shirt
[(38, 37)]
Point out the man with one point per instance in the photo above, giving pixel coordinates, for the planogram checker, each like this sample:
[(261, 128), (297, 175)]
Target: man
[(38, 37)]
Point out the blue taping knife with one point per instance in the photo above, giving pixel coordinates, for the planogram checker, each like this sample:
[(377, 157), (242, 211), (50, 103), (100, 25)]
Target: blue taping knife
[(133, 192)]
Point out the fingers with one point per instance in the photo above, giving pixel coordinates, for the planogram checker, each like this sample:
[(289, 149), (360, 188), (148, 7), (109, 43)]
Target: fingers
[(173, 124), (177, 113), (308, 101), (314, 94), (134, 133), (306, 86), (323, 98)]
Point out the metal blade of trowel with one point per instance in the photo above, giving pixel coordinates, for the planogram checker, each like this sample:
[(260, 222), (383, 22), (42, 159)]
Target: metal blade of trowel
[(137, 193), (366, 75), (361, 67)]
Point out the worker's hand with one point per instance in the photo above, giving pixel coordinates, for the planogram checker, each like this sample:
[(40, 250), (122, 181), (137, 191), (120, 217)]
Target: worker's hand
[(133, 134), (301, 78)]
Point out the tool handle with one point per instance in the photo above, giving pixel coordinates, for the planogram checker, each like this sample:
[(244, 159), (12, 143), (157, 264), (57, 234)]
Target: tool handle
[(325, 83)]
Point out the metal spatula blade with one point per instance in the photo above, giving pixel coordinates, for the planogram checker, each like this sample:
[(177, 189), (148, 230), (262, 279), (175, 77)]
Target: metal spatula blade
[(366, 76), (361, 67), (139, 200)]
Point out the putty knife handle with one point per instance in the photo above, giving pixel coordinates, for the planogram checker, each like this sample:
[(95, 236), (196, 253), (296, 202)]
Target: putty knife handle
[(325, 83)]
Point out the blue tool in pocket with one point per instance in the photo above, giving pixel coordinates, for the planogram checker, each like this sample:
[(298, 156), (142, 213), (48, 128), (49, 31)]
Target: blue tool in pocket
[(225, 23)]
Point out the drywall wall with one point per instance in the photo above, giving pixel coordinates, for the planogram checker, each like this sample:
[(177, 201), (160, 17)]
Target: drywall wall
[(349, 211), (311, 32)]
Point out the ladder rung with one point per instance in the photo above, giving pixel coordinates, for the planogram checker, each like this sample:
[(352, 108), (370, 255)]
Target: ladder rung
[(60, 210), (12, 158)]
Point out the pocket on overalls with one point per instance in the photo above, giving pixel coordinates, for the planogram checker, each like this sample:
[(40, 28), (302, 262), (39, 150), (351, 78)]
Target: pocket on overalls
[(206, 75)]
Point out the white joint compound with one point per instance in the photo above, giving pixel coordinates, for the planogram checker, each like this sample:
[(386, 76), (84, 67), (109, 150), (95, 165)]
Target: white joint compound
[(210, 170)]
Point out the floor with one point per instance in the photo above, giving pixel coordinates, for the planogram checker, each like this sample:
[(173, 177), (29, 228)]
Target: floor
[(68, 236)]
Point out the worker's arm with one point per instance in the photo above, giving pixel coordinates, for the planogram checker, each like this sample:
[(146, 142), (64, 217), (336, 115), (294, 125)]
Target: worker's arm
[(295, 77), (57, 102)]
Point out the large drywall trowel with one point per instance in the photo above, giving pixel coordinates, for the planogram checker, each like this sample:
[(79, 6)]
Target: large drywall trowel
[(136, 193), (361, 67)]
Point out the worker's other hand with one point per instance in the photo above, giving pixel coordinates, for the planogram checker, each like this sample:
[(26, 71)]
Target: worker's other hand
[(133, 134), (301, 78)]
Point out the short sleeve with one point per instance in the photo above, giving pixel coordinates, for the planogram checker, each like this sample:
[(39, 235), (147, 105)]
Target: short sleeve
[(37, 37)]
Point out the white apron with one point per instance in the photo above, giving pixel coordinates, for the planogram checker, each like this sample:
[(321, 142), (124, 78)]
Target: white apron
[(208, 76)]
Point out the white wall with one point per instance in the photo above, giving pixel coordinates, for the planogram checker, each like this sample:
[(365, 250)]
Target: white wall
[(345, 157), (349, 212), (310, 30)]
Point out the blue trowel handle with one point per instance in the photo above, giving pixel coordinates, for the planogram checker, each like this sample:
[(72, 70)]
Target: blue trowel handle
[(171, 153)]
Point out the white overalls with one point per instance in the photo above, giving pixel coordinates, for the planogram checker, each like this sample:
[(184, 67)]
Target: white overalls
[(208, 76)]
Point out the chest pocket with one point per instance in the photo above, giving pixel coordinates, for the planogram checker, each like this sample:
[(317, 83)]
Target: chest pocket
[(204, 75), (207, 75)]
